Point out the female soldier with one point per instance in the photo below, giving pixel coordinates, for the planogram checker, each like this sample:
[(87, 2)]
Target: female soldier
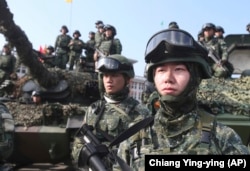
[(117, 111), (176, 65)]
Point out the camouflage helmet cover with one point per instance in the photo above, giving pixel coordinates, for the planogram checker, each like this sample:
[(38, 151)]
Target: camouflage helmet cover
[(175, 45), (116, 63)]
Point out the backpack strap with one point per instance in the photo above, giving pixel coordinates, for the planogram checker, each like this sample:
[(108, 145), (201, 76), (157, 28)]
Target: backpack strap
[(208, 126)]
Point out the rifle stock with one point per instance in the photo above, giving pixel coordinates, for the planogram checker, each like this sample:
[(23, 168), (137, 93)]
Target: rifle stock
[(215, 59)]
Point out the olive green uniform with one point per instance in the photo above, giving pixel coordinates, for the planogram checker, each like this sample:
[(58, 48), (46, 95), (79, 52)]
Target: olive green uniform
[(62, 50), (7, 66), (220, 48), (110, 46), (76, 49)]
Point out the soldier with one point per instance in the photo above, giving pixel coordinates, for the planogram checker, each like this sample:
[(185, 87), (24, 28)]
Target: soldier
[(89, 52), (149, 96), (173, 24), (49, 58), (98, 22), (220, 65), (116, 111), (109, 45), (219, 31), (177, 64), (76, 46), (7, 63), (61, 48), (7, 135), (36, 97), (200, 36), (99, 35), (248, 27)]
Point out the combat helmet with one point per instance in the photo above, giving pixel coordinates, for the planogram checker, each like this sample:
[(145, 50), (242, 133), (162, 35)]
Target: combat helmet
[(248, 27), (175, 45), (116, 63), (208, 25), (219, 28), (65, 28), (51, 48), (110, 27), (77, 32), (99, 22), (173, 24)]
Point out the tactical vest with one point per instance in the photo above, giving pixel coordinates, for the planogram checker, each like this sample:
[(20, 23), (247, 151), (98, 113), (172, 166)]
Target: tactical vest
[(77, 46), (113, 119), (196, 136), (111, 46)]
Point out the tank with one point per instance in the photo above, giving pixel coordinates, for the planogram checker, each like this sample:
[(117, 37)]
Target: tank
[(229, 98), (43, 133)]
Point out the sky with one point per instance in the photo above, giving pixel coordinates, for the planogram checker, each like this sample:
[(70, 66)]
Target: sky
[(135, 20)]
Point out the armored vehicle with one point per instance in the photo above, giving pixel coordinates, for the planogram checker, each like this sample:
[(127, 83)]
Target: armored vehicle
[(43, 133), (230, 98)]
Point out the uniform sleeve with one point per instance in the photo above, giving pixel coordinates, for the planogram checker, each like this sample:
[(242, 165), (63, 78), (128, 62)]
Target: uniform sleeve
[(229, 141), (78, 144), (223, 49), (56, 42), (118, 46)]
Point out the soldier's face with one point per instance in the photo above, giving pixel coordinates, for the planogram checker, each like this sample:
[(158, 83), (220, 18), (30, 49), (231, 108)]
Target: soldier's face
[(36, 99), (171, 78), (108, 33), (113, 82), (208, 32)]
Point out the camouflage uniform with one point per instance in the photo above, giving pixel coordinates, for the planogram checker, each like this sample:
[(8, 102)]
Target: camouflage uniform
[(62, 49), (219, 47), (7, 133), (49, 58), (113, 115), (180, 125), (7, 64), (99, 36), (110, 45), (76, 46), (89, 52)]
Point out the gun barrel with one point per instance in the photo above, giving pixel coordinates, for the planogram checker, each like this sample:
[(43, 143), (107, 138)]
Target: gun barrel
[(96, 164)]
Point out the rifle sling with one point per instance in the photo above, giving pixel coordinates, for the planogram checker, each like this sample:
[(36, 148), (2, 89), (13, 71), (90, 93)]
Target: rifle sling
[(132, 130)]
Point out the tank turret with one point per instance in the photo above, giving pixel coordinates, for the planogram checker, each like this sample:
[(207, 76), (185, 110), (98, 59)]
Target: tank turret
[(43, 133)]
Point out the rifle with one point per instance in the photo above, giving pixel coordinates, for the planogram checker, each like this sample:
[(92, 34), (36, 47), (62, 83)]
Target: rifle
[(216, 59), (94, 152)]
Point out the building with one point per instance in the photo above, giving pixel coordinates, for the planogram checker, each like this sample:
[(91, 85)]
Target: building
[(137, 86)]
